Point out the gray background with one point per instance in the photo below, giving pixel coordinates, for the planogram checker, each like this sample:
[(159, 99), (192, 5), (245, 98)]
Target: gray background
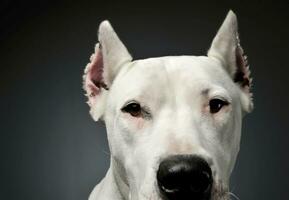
[(50, 147)]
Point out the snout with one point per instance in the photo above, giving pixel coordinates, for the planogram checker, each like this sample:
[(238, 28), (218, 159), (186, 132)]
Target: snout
[(182, 177)]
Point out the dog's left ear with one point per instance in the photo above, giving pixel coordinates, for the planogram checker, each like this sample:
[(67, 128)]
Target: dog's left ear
[(227, 49), (109, 57)]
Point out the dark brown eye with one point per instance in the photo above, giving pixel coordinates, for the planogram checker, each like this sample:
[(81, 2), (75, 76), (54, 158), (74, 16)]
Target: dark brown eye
[(134, 109), (216, 105)]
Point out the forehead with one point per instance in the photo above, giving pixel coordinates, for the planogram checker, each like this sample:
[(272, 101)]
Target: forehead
[(174, 74)]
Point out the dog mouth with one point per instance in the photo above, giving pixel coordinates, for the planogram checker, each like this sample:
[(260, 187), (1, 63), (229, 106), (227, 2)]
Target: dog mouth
[(220, 192)]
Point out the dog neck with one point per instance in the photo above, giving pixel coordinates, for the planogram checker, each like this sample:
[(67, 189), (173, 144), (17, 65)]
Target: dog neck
[(112, 185), (120, 179)]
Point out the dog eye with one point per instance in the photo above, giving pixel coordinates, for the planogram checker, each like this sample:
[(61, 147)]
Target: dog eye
[(134, 109), (216, 105)]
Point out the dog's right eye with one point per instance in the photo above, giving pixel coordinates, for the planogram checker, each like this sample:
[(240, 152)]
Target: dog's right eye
[(134, 109), (216, 105)]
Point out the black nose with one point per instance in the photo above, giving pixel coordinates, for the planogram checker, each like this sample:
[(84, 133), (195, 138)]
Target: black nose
[(182, 177)]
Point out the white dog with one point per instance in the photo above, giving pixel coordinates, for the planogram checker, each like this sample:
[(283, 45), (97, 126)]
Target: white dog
[(173, 123)]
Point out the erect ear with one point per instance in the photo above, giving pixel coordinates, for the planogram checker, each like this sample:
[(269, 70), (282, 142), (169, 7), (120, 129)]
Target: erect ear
[(227, 49), (109, 56)]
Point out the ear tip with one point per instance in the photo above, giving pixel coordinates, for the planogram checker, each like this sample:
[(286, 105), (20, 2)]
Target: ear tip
[(104, 23), (232, 16), (104, 27), (231, 12)]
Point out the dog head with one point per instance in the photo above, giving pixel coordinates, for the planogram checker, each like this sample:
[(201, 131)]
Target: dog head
[(173, 123)]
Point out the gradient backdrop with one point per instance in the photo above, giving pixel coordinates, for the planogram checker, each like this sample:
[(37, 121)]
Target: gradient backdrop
[(50, 147)]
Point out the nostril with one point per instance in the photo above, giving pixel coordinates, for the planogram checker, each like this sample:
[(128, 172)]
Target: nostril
[(184, 176), (200, 181)]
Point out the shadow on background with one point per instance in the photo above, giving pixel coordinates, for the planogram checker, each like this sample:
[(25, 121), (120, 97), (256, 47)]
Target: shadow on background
[(51, 148)]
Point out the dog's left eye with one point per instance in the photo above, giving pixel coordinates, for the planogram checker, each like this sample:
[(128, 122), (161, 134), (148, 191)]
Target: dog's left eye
[(216, 105), (134, 109)]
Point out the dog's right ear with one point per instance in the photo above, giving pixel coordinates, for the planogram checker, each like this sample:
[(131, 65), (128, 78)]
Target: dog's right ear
[(227, 49), (110, 54)]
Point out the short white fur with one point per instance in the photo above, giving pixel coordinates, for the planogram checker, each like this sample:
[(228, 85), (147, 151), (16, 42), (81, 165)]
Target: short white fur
[(176, 90)]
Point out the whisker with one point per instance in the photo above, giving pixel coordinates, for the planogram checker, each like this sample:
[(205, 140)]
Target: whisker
[(233, 195), (105, 152)]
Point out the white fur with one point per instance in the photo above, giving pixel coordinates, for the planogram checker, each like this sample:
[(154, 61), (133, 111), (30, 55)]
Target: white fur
[(114, 52), (177, 90)]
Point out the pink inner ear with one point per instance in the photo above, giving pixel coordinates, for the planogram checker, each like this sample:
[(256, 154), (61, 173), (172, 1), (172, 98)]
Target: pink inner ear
[(242, 75), (93, 77)]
